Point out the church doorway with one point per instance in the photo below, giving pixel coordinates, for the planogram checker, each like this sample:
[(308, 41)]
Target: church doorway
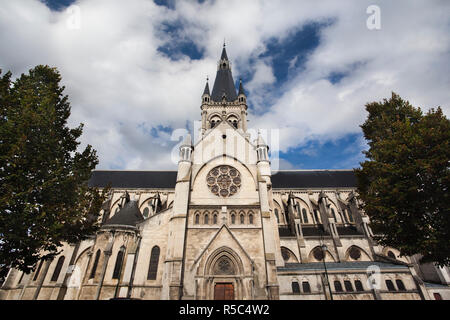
[(224, 291)]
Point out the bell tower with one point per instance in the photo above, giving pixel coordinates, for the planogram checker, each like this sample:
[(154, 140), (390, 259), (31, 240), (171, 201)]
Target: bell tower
[(224, 103)]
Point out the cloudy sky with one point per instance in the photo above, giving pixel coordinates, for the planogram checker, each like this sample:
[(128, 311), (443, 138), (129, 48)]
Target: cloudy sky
[(135, 70)]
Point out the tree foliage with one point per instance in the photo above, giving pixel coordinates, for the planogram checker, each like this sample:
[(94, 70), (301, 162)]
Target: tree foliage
[(404, 183), (44, 196)]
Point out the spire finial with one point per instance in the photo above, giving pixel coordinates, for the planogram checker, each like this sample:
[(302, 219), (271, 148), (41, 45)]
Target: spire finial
[(224, 45)]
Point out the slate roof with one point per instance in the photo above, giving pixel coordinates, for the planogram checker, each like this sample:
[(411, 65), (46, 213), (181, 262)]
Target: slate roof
[(167, 179), (133, 179), (206, 91), (224, 83), (339, 265), (314, 179), (128, 215)]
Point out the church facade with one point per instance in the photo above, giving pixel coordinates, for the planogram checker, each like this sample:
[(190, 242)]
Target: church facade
[(223, 227)]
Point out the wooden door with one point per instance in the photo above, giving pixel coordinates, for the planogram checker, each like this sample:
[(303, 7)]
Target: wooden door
[(224, 291)]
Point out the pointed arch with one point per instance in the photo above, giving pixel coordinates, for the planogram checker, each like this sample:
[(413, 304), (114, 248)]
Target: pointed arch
[(316, 254), (95, 265), (220, 253), (303, 211), (153, 265), (288, 255), (223, 157), (356, 253), (58, 268)]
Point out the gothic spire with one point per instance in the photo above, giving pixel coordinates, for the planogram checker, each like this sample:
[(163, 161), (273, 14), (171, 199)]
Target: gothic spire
[(241, 88), (206, 91), (224, 53), (224, 83)]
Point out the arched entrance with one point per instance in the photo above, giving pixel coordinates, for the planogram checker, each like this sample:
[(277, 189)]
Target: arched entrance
[(224, 266), (224, 269)]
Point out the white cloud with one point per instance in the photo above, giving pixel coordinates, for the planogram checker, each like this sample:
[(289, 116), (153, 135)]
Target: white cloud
[(121, 86)]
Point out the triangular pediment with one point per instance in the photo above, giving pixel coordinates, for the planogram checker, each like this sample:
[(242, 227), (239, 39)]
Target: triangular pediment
[(224, 140), (223, 240)]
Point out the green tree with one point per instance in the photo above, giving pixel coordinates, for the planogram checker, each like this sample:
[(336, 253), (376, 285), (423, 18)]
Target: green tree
[(404, 184), (44, 196)]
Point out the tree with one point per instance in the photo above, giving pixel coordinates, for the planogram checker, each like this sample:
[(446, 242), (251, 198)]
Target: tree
[(404, 184), (44, 196)]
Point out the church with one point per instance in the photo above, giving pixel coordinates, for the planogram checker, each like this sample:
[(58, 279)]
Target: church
[(224, 227)]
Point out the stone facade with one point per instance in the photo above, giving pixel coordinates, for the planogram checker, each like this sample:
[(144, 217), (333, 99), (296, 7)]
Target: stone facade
[(226, 223)]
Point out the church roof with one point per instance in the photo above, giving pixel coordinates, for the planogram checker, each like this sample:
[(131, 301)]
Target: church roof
[(128, 215), (167, 179), (314, 179), (133, 179), (224, 83)]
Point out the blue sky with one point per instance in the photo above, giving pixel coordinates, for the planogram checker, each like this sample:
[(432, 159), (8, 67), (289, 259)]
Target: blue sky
[(134, 71)]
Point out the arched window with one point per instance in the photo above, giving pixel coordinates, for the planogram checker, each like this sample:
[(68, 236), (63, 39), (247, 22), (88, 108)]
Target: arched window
[(146, 212), (350, 216), (94, 267), (276, 215), (390, 285), (391, 254), (337, 286), (233, 219), (213, 123), (297, 207), (333, 214), (241, 218), (153, 267), (437, 296), (250, 219), (306, 287), (400, 285), (235, 124), (295, 287), (316, 216), (119, 262), (36, 274), (348, 286), (358, 285), (305, 215), (206, 219), (215, 219), (197, 219), (58, 268)]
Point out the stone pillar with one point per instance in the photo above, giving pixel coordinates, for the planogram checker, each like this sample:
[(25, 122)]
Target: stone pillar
[(42, 278), (264, 183), (173, 288), (108, 252)]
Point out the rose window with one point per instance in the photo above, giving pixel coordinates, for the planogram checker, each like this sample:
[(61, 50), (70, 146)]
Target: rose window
[(224, 181)]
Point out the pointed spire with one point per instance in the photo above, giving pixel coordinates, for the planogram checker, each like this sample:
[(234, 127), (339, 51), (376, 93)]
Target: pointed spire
[(206, 91), (224, 53), (241, 88), (224, 80)]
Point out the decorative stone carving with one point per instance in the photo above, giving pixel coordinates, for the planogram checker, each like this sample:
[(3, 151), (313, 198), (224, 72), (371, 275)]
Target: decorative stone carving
[(354, 253), (224, 266), (224, 181), (318, 254)]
